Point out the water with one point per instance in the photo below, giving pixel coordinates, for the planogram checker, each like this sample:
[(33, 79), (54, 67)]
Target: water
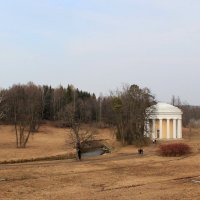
[(97, 152)]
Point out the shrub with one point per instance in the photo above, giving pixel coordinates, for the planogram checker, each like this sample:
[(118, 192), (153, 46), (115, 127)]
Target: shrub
[(175, 149)]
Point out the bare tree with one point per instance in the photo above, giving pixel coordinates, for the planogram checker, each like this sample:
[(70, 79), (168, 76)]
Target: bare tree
[(176, 101), (1, 107), (130, 106), (173, 100), (79, 135), (25, 110), (100, 109)]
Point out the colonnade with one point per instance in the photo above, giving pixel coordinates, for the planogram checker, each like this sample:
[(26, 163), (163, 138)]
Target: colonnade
[(157, 130)]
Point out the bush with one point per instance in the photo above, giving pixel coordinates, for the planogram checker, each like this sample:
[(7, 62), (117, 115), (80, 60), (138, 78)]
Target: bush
[(175, 149)]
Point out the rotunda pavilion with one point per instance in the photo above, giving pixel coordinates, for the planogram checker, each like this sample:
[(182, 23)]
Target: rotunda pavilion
[(165, 122)]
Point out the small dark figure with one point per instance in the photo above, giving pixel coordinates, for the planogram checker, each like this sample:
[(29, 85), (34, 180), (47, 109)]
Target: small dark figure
[(154, 141), (78, 150), (140, 151), (79, 154)]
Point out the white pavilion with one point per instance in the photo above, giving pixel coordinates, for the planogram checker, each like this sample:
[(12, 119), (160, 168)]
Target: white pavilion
[(165, 122)]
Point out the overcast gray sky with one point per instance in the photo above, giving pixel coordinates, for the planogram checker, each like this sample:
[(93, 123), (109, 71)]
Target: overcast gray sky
[(97, 45)]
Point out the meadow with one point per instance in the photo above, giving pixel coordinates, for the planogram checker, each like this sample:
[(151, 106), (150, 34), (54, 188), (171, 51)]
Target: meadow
[(123, 174)]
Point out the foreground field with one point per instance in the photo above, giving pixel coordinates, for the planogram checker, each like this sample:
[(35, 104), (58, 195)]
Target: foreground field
[(120, 175), (123, 176)]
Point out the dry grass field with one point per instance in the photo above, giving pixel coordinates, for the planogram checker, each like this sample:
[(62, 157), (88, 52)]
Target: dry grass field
[(120, 175), (49, 141)]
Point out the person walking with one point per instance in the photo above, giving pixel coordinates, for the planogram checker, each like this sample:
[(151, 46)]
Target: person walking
[(78, 150)]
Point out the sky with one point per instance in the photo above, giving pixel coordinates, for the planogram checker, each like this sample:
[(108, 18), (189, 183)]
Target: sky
[(99, 45)]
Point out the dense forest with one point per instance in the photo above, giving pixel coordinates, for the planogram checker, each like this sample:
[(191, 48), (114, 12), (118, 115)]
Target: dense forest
[(46, 103)]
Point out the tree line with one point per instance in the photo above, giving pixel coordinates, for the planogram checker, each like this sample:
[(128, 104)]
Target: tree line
[(27, 105), (191, 113)]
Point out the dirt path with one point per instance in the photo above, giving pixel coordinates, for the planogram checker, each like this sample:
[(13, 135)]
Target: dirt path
[(123, 176)]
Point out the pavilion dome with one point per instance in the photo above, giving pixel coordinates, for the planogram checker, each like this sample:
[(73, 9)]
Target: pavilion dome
[(166, 108)]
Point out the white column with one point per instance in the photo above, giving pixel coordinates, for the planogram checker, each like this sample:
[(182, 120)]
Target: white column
[(179, 128), (160, 128), (168, 129), (154, 129), (148, 129), (174, 128), (145, 128)]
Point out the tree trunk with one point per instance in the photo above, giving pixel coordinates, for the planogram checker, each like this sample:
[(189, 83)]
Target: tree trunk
[(26, 140), (16, 133)]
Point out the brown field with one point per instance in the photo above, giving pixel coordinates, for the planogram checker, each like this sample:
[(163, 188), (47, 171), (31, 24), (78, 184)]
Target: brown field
[(120, 175)]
